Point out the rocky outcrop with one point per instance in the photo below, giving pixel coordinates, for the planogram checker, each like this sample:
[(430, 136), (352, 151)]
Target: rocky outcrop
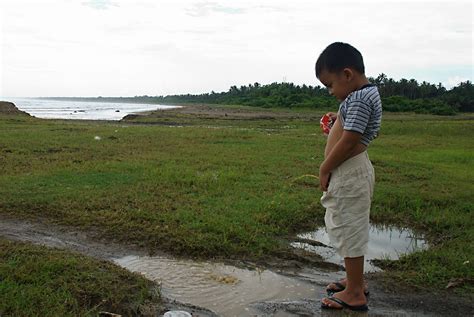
[(10, 108)]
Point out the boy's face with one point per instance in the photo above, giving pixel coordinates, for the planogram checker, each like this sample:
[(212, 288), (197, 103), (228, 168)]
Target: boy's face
[(338, 83)]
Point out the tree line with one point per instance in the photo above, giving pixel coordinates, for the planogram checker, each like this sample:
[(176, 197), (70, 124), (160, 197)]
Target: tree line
[(397, 96), (410, 95)]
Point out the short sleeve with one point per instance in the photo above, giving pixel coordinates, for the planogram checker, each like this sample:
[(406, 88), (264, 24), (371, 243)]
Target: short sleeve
[(357, 116)]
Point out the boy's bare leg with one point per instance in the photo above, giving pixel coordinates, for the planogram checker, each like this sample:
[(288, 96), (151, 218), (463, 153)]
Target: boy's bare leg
[(353, 294)]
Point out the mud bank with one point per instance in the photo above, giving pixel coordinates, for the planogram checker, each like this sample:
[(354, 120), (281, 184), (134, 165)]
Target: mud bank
[(9, 108), (213, 112), (299, 294)]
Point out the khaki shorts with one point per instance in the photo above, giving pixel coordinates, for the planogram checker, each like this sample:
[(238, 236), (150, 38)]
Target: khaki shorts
[(347, 202)]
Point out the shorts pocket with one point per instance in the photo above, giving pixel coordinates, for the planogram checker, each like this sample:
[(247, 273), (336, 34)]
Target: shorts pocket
[(353, 186)]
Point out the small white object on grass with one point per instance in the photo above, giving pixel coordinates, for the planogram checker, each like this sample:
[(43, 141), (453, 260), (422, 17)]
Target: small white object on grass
[(97, 138), (177, 313)]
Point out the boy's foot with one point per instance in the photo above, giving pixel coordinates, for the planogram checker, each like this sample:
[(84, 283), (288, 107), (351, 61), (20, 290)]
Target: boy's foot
[(339, 286), (344, 300), (360, 308)]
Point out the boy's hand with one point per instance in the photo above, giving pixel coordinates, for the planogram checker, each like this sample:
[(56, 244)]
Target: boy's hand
[(332, 115), (324, 180)]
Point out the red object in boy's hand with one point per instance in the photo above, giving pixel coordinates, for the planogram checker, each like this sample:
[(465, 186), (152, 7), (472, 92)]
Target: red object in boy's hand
[(326, 124)]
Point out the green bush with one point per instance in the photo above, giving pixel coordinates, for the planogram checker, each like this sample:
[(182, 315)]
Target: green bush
[(427, 106)]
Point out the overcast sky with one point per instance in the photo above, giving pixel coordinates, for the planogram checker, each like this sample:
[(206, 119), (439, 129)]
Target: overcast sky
[(144, 47)]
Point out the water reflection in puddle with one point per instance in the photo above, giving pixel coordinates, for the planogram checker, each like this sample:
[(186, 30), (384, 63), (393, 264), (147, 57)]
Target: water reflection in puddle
[(384, 243), (224, 289), (232, 291)]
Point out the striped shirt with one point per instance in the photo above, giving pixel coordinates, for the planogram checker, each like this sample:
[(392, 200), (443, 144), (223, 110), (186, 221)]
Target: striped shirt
[(361, 112)]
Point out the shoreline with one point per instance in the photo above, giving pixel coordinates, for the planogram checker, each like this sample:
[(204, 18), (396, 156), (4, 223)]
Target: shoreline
[(80, 110)]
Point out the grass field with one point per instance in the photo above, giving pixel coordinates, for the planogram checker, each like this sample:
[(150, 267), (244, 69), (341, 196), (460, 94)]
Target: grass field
[(224, 187), (38, 281)]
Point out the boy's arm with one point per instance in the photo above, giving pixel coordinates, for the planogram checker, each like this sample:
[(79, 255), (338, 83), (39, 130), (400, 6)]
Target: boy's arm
[(343, 149)]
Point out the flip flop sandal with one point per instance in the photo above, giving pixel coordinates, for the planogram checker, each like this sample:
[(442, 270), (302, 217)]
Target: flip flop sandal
[(361, 308)]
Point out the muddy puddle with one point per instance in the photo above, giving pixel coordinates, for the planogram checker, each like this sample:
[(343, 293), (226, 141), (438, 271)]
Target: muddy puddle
[(224, 289), (210, 288), (384, 243), (231, 291)]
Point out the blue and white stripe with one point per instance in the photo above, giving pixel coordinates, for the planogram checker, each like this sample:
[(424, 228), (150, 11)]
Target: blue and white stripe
[(361, 112)]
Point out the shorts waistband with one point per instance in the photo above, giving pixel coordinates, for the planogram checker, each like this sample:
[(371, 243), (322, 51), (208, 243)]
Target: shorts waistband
[(359, 160)]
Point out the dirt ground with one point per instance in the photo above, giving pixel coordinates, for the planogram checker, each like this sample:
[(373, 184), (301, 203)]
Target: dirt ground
[(203, 111), (9, 108), (385, 300)]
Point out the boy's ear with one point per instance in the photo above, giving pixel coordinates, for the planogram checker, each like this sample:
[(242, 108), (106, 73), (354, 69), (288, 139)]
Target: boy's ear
[(348, 73)]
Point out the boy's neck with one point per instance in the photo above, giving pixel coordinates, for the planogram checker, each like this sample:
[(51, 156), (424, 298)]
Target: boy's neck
[(360, 81)]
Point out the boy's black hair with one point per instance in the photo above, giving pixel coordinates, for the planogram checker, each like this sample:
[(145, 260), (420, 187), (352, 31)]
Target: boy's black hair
[(338, 56)]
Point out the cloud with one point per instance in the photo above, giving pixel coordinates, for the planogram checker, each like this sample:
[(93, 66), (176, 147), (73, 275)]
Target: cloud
[(180, 46), (157, 48), (206, 8), (272, 8), (100, 4)]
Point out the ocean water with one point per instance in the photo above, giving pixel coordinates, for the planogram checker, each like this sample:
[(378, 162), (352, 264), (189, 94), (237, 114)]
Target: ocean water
[(82, 110)]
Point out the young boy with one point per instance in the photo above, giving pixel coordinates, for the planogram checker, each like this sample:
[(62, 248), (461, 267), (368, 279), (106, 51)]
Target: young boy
[(346, 176)]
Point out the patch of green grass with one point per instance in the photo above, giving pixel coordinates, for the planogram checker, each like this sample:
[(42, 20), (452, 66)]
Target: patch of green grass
[(424, 181), (232, 188), (38, 281), (193, 190)]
